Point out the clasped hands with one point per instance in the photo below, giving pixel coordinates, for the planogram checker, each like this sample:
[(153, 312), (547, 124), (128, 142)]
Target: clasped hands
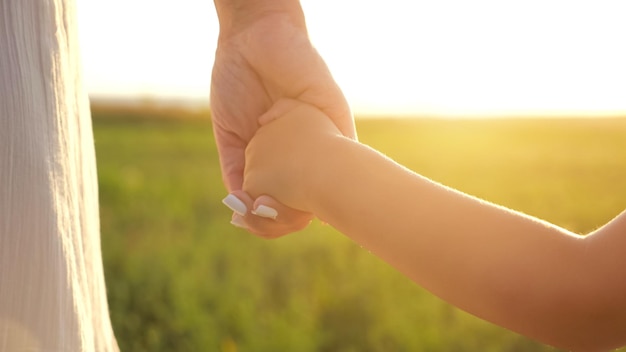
[(284, 159), (265, 70)]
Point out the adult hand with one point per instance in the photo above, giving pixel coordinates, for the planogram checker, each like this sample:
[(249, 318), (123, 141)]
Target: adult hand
[(264, 54)]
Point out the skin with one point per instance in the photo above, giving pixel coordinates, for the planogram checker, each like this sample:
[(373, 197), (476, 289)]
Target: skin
[(506, 267), (264, 54)]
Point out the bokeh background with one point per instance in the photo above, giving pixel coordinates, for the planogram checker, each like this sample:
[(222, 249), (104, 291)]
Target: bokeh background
[(422, 77), (181, 278)]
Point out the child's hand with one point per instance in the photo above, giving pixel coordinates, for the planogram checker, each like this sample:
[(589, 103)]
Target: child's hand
[(285, 156)]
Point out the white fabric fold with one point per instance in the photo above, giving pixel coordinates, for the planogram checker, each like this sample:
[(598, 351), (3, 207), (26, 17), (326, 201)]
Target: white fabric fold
[(52, 291)]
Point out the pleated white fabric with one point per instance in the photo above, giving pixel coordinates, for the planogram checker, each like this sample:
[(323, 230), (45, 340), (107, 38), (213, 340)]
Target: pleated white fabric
[(52, 292)]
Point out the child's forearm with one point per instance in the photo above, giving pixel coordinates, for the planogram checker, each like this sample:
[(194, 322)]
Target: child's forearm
[(503, 266), (506, 267)]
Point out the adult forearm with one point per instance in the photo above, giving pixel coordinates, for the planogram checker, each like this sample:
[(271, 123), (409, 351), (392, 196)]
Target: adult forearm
[(233, 15)]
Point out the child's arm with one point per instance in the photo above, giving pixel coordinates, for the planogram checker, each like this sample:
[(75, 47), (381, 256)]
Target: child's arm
[(511, 269)]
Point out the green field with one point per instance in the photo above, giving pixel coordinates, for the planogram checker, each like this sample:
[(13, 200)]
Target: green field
[(181, 278)]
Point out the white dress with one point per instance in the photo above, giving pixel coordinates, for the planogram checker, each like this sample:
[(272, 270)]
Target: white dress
[(52, 292)]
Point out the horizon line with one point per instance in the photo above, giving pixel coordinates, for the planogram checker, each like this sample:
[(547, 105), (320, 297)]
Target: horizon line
[(195, 104)]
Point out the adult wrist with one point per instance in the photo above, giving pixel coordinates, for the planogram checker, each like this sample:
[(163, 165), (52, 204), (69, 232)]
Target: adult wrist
[(236, 15)]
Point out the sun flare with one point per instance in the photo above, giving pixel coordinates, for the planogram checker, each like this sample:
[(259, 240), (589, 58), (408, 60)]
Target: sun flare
[(482, 58)]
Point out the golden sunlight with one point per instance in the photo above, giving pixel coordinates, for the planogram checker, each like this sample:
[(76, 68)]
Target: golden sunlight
[(483, 57), (477, 58)]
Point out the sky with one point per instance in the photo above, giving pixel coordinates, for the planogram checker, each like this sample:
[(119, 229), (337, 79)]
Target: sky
[(436, 58)]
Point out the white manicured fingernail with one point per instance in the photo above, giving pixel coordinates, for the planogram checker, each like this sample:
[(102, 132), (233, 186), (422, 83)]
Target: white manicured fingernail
[(237, 221), (265, 211), (235, 204)]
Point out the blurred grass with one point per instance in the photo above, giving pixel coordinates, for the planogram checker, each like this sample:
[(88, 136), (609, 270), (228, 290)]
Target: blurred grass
[(181, 278)]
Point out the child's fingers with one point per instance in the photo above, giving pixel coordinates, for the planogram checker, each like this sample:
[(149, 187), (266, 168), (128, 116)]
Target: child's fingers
[(280, 108), (270, 229), (270, 218), (265, 217)]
